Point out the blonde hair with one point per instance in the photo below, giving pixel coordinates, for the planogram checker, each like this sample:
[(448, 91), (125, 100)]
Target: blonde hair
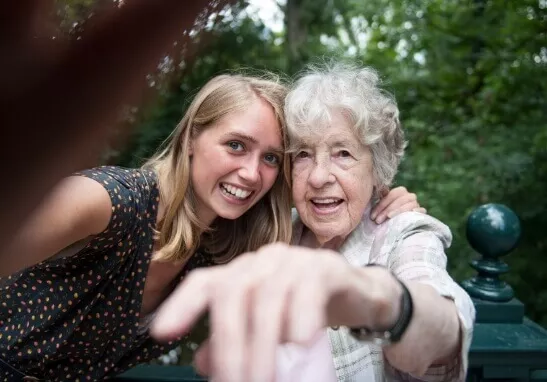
[(180, 233)]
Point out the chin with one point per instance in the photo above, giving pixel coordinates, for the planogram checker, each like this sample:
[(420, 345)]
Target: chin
[(326, 234), (231, 215)]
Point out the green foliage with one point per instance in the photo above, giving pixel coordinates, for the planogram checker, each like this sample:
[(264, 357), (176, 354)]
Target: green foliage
[(242, 45)]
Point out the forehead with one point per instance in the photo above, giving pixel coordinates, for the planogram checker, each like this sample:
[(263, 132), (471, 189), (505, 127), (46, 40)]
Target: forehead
[(256, 123), (336, 131)]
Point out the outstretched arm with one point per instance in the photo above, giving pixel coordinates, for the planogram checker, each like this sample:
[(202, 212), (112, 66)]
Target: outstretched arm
[(288, 294), (76, 208), (60, 99)]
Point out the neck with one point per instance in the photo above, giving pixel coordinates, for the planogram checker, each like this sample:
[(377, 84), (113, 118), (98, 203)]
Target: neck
[(205, 216), (309, 239)]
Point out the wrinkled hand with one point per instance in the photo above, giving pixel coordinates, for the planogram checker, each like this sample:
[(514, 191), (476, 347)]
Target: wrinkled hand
[(394, 202), (260, 300)]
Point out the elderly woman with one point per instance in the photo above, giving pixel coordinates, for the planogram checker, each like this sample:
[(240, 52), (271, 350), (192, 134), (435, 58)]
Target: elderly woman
[(403, 318)]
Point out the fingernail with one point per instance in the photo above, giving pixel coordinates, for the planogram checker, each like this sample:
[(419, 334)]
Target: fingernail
[(391, 214), (373, 216), (380, 220)]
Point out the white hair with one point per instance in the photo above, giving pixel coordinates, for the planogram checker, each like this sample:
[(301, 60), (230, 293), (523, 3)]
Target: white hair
[(356, 94)]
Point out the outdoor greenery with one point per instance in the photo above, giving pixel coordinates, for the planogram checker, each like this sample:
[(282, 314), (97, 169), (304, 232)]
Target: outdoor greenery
[(470, 77)]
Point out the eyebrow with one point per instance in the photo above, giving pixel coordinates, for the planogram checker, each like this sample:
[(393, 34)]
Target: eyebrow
[(304, 143), (342, 143), (253, 140)]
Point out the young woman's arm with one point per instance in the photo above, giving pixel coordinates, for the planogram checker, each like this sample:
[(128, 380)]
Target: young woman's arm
[(76, 208)]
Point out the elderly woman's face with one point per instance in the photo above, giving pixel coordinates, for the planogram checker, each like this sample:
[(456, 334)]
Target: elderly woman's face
[(332, 180)]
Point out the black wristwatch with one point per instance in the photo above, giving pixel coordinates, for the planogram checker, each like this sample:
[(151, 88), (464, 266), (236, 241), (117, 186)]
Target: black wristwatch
[(393, 335)]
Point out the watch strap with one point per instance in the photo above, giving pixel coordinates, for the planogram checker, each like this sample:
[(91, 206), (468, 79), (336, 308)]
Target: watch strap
[(395, 333)]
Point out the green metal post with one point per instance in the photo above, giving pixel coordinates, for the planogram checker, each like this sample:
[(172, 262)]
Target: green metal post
[(506, 345)]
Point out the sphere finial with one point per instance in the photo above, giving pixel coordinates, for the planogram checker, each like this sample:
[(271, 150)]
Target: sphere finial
[(493, 230)]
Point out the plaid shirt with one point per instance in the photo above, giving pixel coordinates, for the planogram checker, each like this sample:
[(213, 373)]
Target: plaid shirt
[(412, 246)]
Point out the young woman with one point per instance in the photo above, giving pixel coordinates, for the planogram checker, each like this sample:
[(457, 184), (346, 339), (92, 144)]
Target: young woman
[(109, 244)]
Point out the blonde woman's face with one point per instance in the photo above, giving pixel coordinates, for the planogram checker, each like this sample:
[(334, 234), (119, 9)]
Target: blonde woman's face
[(235, 162)]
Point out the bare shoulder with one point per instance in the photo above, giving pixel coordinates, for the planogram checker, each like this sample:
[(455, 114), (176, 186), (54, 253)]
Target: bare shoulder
[(84, 201), (76, 208)]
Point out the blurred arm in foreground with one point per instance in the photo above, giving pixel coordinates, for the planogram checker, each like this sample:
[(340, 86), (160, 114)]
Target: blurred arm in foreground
[(60, 98)]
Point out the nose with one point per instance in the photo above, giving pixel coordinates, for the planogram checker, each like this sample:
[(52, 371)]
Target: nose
[(249, 170), (320, 173)]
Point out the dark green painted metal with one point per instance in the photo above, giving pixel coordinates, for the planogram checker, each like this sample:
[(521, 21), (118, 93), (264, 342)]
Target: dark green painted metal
[(507, 312), (539, 375), (524, 338), (493, 230), (506, 345), (145, 373)]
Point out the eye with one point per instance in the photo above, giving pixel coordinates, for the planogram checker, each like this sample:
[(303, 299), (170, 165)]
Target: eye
[(236, 146), (344, 154), (272, 159), (301, 155)]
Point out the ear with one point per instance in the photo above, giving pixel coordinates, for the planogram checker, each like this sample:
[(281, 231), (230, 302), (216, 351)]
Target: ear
[(378, 191), (382, 190)]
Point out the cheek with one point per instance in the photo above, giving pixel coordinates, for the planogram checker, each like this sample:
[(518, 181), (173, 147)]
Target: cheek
[(299, 175), (298, 191), (359, 191), (209, 164), (298, 188), (299, 168), (269, 176)]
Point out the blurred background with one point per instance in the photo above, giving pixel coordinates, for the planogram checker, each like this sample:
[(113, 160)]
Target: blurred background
[(470, 77)]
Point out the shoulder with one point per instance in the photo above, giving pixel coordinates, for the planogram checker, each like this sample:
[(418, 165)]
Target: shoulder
[(123, 184), (127, 177), (410, 223)]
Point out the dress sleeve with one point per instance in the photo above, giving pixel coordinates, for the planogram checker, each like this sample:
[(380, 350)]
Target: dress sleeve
[(414, 250), (123, 187)]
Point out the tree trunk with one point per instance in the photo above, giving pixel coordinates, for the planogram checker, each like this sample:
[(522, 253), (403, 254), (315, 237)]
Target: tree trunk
[(296, 34)]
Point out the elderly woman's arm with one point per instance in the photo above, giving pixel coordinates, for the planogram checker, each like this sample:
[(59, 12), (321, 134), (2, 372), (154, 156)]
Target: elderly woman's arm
[(286, 294), (433, 337), (438, 337)]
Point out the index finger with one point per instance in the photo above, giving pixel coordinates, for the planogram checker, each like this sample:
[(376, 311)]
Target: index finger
[(182, 309)]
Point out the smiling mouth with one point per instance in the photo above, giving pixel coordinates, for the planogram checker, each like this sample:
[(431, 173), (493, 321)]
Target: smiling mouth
[(326, 203), (235, 192)]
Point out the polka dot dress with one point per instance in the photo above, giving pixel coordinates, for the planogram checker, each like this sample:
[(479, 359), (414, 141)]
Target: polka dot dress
[(77, 318)]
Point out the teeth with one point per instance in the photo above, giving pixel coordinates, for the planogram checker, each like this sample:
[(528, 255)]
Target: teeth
[(237, 192), (325, 201)]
